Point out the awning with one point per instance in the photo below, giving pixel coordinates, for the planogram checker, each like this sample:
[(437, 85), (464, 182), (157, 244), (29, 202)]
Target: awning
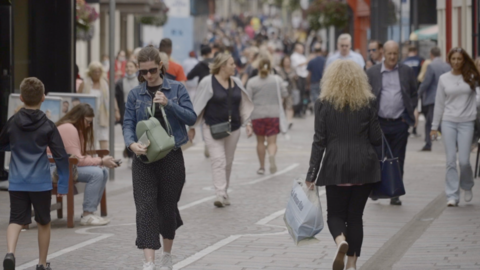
[(430, 32)]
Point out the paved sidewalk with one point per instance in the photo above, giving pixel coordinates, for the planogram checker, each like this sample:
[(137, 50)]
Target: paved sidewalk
[(250, 234)]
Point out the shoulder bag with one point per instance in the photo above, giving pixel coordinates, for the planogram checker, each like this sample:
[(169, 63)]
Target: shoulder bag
[(161, 141), (223, 130), (281, 111), (391, 183)]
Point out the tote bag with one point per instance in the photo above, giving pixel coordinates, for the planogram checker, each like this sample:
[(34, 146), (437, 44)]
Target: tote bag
[(282, 116), (391, 184)]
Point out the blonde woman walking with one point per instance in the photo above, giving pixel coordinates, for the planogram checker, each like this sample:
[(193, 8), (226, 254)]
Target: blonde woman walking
[(214, 105), (264, 90), (347, 129)]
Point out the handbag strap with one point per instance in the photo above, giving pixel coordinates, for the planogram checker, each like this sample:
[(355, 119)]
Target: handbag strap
[(151, 111), (229, 100), (385, 142)]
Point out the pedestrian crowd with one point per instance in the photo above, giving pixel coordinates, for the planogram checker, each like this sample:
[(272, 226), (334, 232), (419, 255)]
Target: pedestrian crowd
[(250, 74)]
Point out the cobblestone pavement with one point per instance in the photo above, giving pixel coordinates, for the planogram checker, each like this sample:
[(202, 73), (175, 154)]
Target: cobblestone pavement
[(250, 234)]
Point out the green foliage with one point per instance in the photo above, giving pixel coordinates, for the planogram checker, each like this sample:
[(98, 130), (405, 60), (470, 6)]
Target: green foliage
[(158, 20), (326, 13)]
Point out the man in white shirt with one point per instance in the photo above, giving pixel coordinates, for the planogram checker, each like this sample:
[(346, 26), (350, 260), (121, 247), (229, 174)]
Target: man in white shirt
[(344, 45), (299, 64)]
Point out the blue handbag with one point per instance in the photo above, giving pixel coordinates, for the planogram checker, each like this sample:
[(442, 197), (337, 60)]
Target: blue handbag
[(391, 184)]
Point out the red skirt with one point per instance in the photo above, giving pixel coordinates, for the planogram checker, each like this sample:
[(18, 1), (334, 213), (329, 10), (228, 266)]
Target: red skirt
[(266, 126)]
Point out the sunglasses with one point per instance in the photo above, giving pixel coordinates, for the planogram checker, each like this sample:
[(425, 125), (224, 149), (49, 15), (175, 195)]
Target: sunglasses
[(152, 71), (372, 50)]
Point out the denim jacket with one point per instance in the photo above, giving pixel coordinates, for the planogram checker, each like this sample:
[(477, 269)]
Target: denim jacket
[(179, 111)]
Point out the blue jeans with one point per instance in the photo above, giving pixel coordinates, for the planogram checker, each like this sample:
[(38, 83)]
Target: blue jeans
[(457, 135), (314, 91), (96, 179)]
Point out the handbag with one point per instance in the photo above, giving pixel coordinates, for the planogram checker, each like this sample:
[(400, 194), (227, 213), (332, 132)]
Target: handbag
[(391, 183), (282, 117), (161, 141), (54, 172), (223, 130)]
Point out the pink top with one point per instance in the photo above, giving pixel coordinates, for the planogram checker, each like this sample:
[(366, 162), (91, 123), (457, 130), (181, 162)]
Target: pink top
[(73, 145)]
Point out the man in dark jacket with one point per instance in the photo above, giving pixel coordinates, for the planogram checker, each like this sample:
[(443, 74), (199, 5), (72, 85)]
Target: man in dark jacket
[(395, 86), (428, 91), (202, 69)]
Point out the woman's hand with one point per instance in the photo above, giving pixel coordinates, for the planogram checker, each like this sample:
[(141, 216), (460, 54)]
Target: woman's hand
[(249, 130), (191, 134), (117, 115), (109, 162), (310, 185), (138, 149), (160, 98), (434, 135)]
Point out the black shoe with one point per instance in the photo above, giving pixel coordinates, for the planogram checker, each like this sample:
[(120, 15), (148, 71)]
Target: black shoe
[(395, 201), (426, 149), (41, 267), (9, 262)]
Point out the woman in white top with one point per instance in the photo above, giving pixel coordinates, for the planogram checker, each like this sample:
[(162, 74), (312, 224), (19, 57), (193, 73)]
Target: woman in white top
[(95, 83), (264, 90), (456, 110)]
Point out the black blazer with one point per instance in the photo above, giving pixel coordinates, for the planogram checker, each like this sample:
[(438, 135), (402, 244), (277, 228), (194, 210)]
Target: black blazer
[(408, 83), (349, 138)]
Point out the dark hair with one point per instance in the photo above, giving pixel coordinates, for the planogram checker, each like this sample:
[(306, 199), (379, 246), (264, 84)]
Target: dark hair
[(379, 44), (150, 53), (165, 46), (283, 60), (205, 50), (435, 51), (32, 91), (412, 49), (264, 67), (76, 116), (470, 72)]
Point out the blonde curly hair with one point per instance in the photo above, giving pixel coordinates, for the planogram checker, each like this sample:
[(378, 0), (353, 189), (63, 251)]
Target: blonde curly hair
[(344, 83)]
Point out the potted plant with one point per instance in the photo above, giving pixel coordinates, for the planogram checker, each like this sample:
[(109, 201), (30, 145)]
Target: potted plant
[(86, 15)]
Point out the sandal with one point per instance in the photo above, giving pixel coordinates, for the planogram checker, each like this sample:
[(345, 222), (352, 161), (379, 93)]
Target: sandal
[(261, 171)]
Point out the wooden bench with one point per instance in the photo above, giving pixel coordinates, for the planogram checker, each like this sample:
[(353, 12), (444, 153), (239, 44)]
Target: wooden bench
[(72, 191)]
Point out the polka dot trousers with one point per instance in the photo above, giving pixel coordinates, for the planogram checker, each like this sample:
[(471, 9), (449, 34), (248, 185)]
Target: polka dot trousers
[(157, 188)]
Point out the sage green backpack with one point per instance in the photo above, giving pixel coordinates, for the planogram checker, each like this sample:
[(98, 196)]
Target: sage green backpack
[(161, 141)]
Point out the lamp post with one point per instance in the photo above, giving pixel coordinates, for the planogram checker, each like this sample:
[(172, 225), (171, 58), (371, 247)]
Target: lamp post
[(111, 51)]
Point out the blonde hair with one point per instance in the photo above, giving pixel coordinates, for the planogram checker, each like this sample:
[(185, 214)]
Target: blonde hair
[(345, 84), (345, 36), (95, 65), (220, 60)]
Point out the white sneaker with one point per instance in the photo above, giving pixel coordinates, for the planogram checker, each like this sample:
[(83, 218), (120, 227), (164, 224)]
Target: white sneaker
[(468, 195), (166, 262), (149, 266), (452, 203), (226, 201), (93, 220), (339, 260), (219, 201)]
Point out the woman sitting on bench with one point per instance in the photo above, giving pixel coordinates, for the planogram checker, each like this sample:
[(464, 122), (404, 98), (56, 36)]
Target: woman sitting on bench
[(76, 130)]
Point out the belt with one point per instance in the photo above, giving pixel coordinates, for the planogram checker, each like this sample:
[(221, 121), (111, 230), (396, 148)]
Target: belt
[(390, 119)]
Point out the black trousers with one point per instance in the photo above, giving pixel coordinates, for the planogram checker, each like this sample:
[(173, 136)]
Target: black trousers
[(345, 207), (428, 112), (157, 188)]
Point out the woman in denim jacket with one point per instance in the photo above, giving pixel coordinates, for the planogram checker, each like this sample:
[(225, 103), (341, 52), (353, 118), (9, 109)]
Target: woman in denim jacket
[(157, 186)]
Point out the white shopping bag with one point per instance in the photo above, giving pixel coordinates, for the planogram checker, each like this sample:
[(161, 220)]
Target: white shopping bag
[(303, 216)]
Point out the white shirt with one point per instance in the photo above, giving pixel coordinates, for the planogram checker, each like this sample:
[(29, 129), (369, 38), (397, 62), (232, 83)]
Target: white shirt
[(297, 61), (357, 58)]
